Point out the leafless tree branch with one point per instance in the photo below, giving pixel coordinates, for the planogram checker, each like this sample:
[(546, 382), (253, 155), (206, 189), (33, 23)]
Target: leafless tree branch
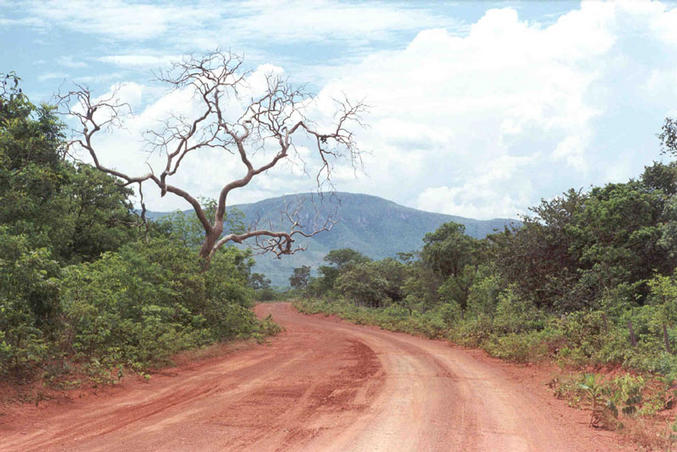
[(271, 124)]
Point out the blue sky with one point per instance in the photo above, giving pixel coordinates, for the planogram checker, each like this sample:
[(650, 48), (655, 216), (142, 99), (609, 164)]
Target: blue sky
[(478, 108)]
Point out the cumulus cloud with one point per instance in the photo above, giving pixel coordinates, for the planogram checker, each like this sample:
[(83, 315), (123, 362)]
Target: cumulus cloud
[(479, 121), (478, 197), (204, 172), (485, 124)]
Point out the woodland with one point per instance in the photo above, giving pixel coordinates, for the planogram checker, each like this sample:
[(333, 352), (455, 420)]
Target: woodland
[(88, 286)]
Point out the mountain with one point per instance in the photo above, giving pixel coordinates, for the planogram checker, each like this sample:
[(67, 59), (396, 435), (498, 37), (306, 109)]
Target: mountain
[(373, 226)]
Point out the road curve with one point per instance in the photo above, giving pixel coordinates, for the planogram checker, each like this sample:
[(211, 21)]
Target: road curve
[(321, 385)]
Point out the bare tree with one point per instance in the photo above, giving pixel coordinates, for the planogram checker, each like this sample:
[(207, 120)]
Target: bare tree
[(269, 125)]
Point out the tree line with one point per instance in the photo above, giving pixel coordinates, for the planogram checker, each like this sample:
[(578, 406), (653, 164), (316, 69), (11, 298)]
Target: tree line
[(589, 277)]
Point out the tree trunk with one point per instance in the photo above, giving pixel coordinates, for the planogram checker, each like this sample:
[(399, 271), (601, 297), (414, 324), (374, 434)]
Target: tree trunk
[(633, 339), (206, 250), (666, 339)]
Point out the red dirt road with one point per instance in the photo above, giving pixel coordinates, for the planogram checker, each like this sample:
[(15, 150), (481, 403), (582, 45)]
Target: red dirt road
[(321, 385)]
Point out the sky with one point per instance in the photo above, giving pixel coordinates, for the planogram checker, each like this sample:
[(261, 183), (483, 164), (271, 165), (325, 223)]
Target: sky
[(477, 109)]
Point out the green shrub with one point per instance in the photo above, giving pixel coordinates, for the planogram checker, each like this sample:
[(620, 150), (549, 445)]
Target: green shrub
[(29, 309), (519, 347), (514, 315), (150, 300)]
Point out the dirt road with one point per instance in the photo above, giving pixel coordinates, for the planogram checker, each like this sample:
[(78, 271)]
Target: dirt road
[(322, 385)]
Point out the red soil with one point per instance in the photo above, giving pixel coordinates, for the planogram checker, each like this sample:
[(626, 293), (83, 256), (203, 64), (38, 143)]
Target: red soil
[(323, 384)]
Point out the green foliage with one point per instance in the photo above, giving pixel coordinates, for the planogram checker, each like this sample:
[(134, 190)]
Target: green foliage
[(431, 324), (186, 228), (661, 177), (28, 304), (519, 347), (448, 250), (258, 281), (578, 247), (602, 409), (345, 257), (363, 285), (78, 289), (148, 301), (610, 399), (456, 288), (100, 213), (299, 279), (617, 236), (262, 289), (483, 294), (340, 261), (668, 229), (420, 287), (74, 210), (668, 136), (536, 257), (269, 294)]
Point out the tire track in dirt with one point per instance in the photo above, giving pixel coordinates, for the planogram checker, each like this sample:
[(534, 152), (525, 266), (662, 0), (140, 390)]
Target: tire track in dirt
[(323, 384)]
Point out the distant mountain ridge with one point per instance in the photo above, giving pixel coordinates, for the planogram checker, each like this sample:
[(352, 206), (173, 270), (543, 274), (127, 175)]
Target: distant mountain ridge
[(374, 226)]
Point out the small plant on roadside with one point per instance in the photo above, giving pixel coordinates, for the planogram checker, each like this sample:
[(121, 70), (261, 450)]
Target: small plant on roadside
[(626, 391), (103, 375), (603, 411)]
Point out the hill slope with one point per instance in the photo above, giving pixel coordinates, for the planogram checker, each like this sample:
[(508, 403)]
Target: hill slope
[(374, 226)]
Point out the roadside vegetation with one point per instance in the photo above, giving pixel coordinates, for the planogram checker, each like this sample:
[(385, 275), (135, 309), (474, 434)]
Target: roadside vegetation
[(588, 281), (88, 291)]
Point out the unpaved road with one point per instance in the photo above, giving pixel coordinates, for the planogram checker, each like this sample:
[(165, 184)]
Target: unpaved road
[(322, 385)]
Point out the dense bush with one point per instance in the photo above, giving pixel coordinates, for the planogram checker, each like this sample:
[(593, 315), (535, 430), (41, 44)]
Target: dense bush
[(28, 304), (150, 300), (588, 279), (579, 339), (83, 283), (136, 306)]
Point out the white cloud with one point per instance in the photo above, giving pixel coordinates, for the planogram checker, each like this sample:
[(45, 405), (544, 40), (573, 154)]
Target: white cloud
[(481, 123), (466, 201), (125, 21), (105, 77), (19, 22), (303, 20), (571, 150), (52, 76), (139, 60), (478, 197), (70, 62), (206, 171), (453, 114), (206, 24)]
